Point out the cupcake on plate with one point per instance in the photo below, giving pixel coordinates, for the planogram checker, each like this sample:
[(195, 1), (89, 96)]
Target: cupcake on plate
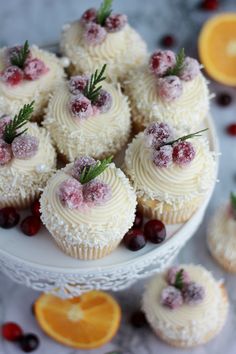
[(102, 36), (168, 88), (221, 235), (87, 207), (27, 159), (27, 74), (170, 174), (186, 306), (88, 116)]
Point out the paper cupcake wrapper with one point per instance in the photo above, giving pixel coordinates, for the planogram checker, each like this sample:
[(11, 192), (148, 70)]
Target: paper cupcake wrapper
[(20, 202)]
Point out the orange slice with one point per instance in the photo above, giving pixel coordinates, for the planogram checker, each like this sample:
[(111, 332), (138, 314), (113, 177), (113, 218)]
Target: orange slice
[(85, 322), (217, 48)]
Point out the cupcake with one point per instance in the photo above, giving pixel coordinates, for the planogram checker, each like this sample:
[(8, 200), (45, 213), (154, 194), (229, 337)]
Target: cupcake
[(27, 159), (185, 306), (102, 36), (88, 116), (170, 174), (27, 74), (87, 207), (221, 235), (169, 88)]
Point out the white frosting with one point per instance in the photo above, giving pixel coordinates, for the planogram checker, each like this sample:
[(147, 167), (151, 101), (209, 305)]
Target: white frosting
[(121, 50), (222, 236), (21, 178), (12, 98), (184, 114), (97, 226), (174, 185), (97, 136), (188, 323)]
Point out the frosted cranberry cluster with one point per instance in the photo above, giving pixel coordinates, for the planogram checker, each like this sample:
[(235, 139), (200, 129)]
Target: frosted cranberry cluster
[(23, 147), (181, 290), (75, 195), (95, 33), (32, 70), (165, 152), (80, 106), (170, 86)]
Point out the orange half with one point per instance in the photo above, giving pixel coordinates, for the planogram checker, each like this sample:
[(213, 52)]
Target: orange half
[(85, 322), (217, 48)]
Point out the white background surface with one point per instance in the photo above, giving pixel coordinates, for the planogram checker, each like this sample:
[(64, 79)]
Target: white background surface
[(40, 22)]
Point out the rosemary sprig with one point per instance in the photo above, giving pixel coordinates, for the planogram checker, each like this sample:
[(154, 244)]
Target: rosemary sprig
[(12, 129), (88, 174), (179, 64), (179, 279), (20, 58), (233, 203), (186, 137), (104, 11), (91, 90)]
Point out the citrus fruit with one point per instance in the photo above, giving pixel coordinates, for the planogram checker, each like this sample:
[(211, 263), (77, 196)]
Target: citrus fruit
[(84, 322)]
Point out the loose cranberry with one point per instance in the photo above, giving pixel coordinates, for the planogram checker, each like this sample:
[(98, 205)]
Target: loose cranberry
[(35, 209), (138, 319), (30, 226), (29, 342), (231, 129), (223, 99), (168, 41), (134, 239), (12, 75), (138, 221), (155, 231), (183, 153), (209, 5), (11, 331), (8, 217)]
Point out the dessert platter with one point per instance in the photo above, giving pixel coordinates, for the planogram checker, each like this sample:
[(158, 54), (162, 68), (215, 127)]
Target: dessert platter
[(62, 121)]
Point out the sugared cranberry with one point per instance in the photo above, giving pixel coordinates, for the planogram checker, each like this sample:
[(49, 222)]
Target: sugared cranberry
[(134, 240), (160, 61), (155, 231), (138, 319), (81, 107), (209, 5), (80, 163), (162, 157), (167, 41), (190, 70), (171, 275), (183, 153), (171, 297), (30, 226), (25, 146), (34, 68), (138, 221), (94, 34), (103, 101), (12, 75), (231, 129), (115, 22), (89, 15), (13, 52), (223, 99), (29, 342), (169, 88), (77, 84), (5, 152), (8, 217), (96, 192), (11, 331), (158, 133), (35, 208), (4, 121), (71, 193), (193, 293)]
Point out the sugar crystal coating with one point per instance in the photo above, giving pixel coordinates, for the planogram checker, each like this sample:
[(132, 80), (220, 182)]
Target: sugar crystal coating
[(71, 193)]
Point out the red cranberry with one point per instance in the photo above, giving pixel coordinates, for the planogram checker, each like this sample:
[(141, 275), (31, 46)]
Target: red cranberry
[(209, 5), (231, 129), (89, 15), (138, 221), (8, 217), (223, 99), (34, 68), (11, 331), (29, 342), (134, 240), (12, 75), (183, 153), (155, 231), (35, 208), (167, 41), (30, 226), (115, 22), (138, 319)]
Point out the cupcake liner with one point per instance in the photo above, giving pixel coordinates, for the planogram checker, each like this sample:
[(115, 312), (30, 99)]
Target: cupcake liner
[(221, 259), (20, 202)]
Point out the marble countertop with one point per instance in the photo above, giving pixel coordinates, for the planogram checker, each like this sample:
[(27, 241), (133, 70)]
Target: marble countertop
[(32, 19)]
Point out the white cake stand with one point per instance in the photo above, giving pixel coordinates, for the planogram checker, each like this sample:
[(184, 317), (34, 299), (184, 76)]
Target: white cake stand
[(37, 262)]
